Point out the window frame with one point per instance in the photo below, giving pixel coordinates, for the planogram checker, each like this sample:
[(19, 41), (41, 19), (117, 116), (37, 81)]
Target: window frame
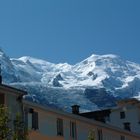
[(127, 126), (35, 125), (122, 115), (59, 125), (73, 130), (100, 134), (32, 118)]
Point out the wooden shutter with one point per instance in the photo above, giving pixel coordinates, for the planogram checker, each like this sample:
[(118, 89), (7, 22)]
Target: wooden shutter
[(35, 120), (73, 132), (59, 127), (100, 134)]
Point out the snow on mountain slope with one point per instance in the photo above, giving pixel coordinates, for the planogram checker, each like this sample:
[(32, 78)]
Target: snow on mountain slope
[(97, 79), (8, 72), (30, 69)]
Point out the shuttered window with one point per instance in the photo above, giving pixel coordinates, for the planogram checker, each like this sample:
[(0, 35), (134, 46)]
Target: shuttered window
[(100, 134), (73, 133), (26, 118), (35, 120), (59, 127)]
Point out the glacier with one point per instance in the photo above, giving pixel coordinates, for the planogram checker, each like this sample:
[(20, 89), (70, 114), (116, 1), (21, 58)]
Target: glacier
[(94, 83)]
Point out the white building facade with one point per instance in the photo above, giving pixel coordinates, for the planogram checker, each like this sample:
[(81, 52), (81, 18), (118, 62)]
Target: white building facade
[(45, 123), (126, 115)]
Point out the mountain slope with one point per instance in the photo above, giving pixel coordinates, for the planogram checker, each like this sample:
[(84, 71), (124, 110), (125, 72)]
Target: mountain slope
[(91, 83)]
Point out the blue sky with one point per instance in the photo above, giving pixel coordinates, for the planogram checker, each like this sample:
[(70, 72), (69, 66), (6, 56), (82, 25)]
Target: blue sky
[(70, 30)]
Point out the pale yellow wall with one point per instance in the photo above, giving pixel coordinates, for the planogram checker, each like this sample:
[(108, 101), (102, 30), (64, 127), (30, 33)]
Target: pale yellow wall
[(47, 128), (13, 105), (35, 135)]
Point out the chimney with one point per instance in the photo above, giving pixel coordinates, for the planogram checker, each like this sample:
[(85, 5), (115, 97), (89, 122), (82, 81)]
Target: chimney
[(0, 75), (75, 109)]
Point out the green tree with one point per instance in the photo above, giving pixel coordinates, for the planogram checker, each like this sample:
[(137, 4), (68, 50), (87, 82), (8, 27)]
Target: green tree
[(20, 131), (91, 135), (5, 131)]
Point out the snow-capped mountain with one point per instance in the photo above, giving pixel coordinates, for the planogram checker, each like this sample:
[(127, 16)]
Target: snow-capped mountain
[(94, 83)]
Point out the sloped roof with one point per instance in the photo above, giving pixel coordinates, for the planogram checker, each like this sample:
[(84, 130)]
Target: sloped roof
[(4, 88)]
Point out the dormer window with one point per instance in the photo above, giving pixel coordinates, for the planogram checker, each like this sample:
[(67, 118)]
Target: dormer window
[(122, 115), (127, 126)]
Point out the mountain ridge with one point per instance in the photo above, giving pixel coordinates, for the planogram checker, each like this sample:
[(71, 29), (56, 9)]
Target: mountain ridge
[(63, 85)]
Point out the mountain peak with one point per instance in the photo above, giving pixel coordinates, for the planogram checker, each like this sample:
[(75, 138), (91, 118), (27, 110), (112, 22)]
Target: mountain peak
[(33, 60), (64, 84), (95, 56), (1, 50), (2, 54)]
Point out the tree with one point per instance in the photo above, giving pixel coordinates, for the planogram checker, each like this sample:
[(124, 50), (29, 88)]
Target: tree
[(20, 131), (5, 131), (91, 135)]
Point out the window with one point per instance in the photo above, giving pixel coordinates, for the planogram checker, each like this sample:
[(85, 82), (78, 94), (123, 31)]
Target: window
[(32, 118), (73, 130), (29, 119), (122, 115), (2, 99), (35, 120), (122, 137), (127, 126), (100, 135), (26, 117), (59, 127)]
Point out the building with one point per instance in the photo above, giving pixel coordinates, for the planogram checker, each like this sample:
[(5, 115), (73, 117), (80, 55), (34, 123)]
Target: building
[(99, 115), (12, 99), (45, 123), (126, 115)]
